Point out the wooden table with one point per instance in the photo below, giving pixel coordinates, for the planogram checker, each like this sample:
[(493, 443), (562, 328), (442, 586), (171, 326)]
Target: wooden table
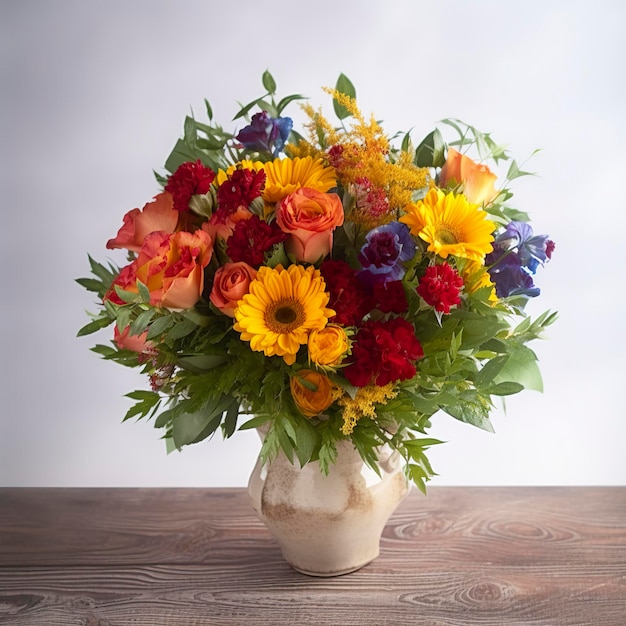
[(105, 557)]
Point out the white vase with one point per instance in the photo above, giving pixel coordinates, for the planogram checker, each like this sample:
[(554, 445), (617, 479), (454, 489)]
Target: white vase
[(328, 525)]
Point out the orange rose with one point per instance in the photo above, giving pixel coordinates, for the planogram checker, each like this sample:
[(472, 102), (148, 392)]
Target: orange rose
[(231, 283), (312, 392), (156, 215), (309, 218), (477, 180), (172, 268)]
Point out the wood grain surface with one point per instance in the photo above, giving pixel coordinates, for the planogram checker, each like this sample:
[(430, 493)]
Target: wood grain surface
[(461, 555)]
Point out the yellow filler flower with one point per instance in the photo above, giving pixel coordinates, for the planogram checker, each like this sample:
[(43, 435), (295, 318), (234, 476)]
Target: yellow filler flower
[(451, 225), (281, 309)]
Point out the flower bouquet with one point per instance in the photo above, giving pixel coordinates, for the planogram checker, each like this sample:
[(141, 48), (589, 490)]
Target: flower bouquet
[(326, 285)]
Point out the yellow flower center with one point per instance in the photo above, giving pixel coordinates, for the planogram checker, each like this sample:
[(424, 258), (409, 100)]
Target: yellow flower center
[(284, 316), (447, 235)]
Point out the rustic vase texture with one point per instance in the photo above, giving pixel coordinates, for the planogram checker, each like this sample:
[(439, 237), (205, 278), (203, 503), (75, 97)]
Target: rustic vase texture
[(327, 525)]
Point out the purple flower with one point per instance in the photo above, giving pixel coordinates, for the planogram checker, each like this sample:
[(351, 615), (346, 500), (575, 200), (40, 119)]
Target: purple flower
[(385, 250), (532, 250), (512, 278), (265, 133), (517, 253)]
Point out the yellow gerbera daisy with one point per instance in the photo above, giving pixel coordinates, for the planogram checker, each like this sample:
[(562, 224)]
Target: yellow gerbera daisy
[(282, 307), (284, 176), (451, 225)]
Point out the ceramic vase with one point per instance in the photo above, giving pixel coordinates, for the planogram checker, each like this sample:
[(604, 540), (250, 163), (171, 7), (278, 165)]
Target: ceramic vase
[(327, 525)]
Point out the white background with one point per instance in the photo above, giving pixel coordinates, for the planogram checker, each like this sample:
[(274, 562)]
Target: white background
[(93, 98)]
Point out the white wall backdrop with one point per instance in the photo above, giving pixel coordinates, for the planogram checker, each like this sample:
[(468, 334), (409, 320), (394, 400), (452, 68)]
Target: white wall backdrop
[(93, 98)]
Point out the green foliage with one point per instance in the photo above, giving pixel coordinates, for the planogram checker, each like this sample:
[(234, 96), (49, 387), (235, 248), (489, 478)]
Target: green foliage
[(431, 151)]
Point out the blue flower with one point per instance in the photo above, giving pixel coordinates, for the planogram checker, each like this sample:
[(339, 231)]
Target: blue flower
[(532, 250), (385, 250), (265, 133)]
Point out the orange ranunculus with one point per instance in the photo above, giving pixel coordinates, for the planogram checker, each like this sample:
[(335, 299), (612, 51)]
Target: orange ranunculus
[(231, 283), (125, 341), (312, 392), (158, 215), (171, 266), (477, 180), (328, 346), (309, 218)]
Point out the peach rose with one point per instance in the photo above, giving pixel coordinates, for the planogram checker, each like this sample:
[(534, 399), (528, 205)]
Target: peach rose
[(311, 391), (309, 218), (477, 180), (172, 268), (231, 284), (158, 215), (328, 346), (124, 341)]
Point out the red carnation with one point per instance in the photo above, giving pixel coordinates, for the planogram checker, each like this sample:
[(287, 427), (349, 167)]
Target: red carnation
[(383, 352), (390, 297), (440, 287), (348, 296), (240, 189), (188, 180), (251, 239)]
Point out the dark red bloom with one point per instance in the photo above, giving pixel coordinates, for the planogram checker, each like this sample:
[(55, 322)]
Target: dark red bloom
[(383, 352), (440, 287), (335, 156), (348, 296), (390, 297), (251, 239), (188, 180), (240, 189)]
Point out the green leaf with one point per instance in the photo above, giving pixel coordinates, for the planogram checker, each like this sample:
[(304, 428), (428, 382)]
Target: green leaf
[(522, 368), (188, 427), (90, 284), (141, 322), (255, 422), (471, 412), (505, 389), (144, 292), (268, 82), (200, 363), (286, 100), (431, 152), (147, 401), (491, 369), (406, 142), (129, 297), (179, 155), (94, 326), (209, 110), (343, 86), (230, 422), (515, 171), (161, 325), (245, 109), (180, 330)]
